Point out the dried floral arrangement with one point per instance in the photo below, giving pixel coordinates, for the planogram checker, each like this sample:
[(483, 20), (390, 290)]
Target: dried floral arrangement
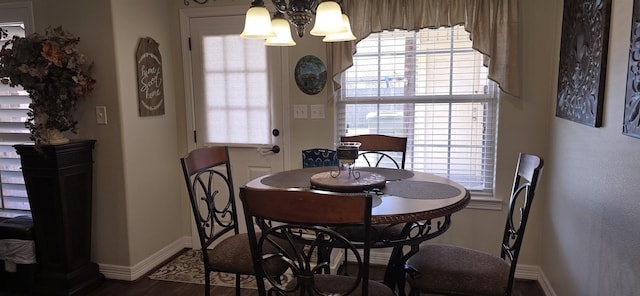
[(54, 73)]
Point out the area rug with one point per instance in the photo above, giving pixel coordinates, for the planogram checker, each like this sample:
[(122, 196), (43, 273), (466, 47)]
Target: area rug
[(188, 268)]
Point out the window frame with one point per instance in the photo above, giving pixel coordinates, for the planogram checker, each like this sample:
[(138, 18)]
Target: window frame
[(484, 199)]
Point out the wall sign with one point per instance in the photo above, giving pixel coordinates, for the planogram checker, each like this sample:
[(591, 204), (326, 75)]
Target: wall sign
[(150, 83)]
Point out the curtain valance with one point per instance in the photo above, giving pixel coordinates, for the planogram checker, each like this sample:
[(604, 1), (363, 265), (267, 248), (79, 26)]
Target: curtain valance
[(493, 25)]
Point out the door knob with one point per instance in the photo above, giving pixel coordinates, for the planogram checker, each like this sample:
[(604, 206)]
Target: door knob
[(275, 149)]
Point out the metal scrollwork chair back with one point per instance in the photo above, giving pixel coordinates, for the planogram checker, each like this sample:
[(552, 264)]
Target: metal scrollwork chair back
[(301, 231), (452, 270), (381, 150), (207, 173)]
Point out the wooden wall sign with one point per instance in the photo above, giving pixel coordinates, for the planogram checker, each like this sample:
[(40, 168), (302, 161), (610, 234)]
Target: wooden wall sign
[(583, 60), (150, 83)]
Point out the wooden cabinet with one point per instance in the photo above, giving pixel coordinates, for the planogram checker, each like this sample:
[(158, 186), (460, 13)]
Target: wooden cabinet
[(59, 186)]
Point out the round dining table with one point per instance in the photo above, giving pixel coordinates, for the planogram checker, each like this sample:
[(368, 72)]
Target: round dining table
[(411, 199), (404, 196)]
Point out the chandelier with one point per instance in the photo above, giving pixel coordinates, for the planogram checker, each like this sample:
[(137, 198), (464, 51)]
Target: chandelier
[(330, 21)]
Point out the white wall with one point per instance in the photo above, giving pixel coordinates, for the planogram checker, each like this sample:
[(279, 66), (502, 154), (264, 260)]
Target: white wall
[(592, 221), (91, 21), (151, 167), (137, 201)]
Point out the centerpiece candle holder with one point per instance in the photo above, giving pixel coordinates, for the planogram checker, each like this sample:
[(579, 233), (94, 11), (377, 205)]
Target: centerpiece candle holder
[(347, 153), (354, 180)]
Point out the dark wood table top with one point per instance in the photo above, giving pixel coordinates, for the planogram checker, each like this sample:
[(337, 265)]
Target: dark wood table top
[(407, 196)]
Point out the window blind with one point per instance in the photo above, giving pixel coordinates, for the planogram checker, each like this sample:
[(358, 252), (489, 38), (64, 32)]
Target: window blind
[(431, 87), (14, 105)]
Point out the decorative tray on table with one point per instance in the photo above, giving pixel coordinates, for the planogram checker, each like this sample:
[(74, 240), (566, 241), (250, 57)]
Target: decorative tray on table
[(346, 182)]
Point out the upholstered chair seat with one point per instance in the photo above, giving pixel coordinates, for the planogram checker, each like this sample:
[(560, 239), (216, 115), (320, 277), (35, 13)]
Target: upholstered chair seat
[(232, 255), (460, 271)]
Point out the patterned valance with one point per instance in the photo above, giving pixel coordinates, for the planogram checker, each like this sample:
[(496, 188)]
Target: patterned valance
[(493, 25)]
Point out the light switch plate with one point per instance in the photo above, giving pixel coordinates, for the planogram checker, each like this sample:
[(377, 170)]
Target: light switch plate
[(300, 111), (101, 114), (317, 111)]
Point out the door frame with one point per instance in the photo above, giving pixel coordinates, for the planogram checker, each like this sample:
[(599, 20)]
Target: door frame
[(212, 11)]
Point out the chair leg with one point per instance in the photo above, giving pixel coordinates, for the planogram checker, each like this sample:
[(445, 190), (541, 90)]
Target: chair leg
[(324, 255), (237, 284), (262, 291), (345, 262), (207, 283), (390, 276), (414, 292), (401, 284)]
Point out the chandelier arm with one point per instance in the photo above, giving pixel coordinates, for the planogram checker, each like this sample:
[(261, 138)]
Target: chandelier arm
[(281, 5)]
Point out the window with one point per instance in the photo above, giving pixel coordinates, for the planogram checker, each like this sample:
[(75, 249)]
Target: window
[(431, 87), (232, 90), (14, 104), (237, 91)]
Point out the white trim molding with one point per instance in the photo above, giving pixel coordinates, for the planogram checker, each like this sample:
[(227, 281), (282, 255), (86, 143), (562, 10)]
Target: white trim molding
[(132, 273), (533, 272)]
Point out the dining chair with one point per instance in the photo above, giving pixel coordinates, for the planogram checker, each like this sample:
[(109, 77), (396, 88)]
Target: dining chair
[(453, 270), (207, 173), (380, 150), (305, 217), (319, 157)]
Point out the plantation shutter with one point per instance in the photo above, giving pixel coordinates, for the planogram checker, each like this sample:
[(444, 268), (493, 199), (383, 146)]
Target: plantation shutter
[(14, 105), (431, 87)]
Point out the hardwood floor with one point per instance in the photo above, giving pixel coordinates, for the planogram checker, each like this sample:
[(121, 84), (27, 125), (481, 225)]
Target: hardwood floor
[(151, 287), (146, 286)]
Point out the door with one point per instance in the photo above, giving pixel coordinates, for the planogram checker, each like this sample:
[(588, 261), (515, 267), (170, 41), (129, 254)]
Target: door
[(235, 95)]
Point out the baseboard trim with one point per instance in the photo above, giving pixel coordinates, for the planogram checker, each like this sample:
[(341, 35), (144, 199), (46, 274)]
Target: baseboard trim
[(132, 273), (532, 272)]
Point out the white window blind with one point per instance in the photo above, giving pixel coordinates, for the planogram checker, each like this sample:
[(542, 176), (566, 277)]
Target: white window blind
[(14, 105), (431, 87)]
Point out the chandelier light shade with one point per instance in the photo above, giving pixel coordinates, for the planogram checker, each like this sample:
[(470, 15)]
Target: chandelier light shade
[(329, 21), (345, 36), (257, 23), (282, 32)]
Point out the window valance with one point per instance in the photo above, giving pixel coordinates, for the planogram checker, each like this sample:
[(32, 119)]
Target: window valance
[(493, 25)]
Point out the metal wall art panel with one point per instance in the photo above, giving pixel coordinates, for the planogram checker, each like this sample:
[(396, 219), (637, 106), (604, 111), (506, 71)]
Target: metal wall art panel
[(583, 60), (631, 123)]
